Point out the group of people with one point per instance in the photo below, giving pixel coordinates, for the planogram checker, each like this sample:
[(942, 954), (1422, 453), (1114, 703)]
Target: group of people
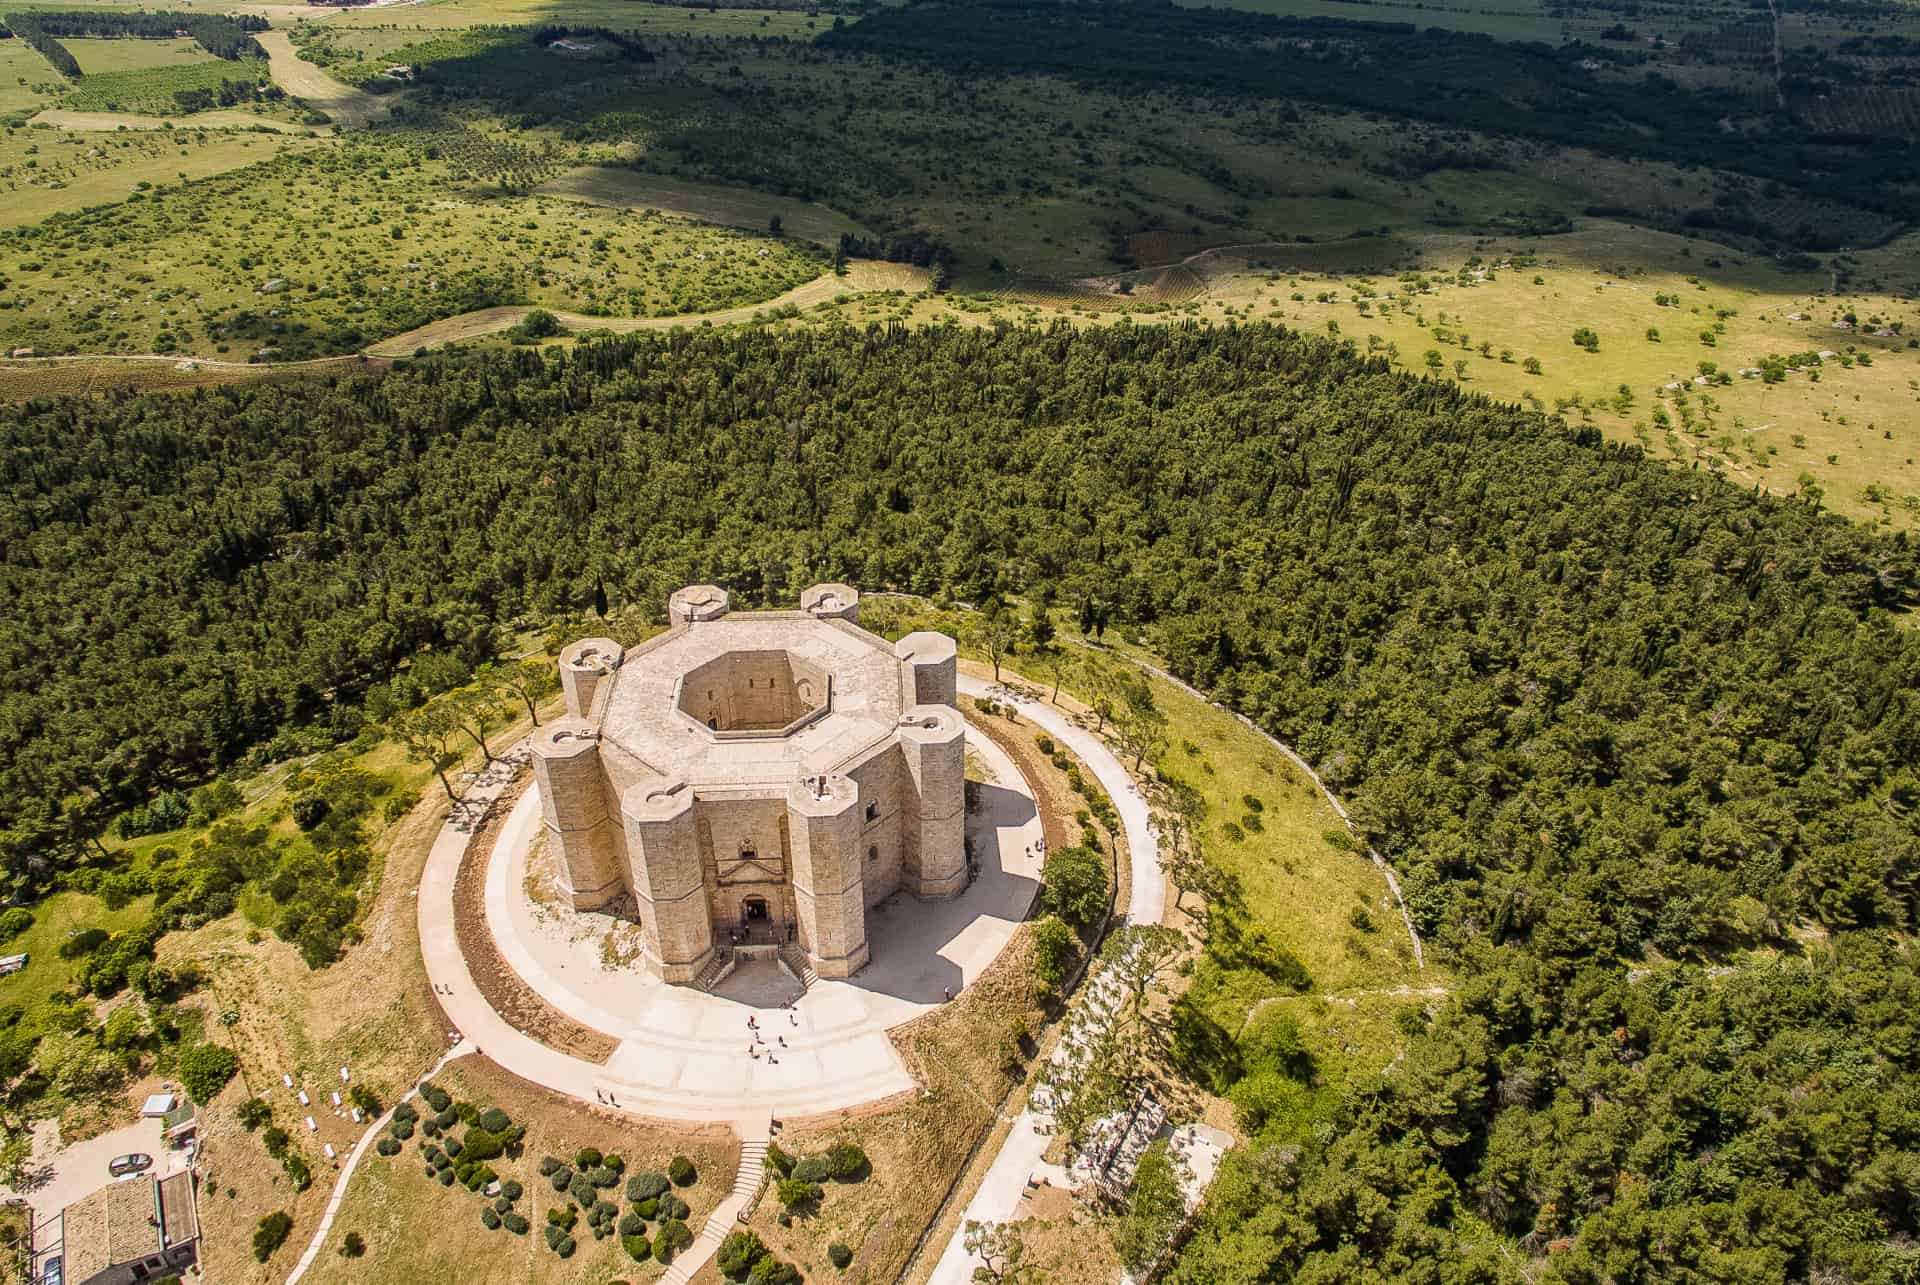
[(756, 1041)]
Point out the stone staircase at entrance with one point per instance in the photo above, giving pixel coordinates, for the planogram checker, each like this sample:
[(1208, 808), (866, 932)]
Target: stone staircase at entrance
[(799, 966), (729, 1213)]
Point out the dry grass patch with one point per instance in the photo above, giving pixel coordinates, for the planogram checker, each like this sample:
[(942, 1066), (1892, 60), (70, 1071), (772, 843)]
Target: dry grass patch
[(417, 1230)]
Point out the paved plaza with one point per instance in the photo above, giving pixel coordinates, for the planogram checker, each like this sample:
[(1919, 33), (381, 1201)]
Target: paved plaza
[(684, 1053)]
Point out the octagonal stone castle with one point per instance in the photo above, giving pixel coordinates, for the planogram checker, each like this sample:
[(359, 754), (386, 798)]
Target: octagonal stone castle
[(756, 779)]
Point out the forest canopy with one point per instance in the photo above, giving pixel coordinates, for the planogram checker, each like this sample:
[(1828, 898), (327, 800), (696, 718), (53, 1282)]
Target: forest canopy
[(1599, 712)]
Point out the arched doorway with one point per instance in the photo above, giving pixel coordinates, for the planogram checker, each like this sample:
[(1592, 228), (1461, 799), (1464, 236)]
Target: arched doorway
[(753, 910)]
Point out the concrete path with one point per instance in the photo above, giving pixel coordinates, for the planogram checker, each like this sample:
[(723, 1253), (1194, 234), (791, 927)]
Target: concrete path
[(683, 1054), (367, 1140), (998, 1198)]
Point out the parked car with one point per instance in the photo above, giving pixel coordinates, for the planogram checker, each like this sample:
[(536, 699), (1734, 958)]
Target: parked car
[(138, 1162)]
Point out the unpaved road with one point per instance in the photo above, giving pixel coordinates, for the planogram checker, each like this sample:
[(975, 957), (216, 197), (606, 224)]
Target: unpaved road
[(349, 107)]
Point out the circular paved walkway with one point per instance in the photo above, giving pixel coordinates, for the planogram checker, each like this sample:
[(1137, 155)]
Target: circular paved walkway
[(683, 1053)]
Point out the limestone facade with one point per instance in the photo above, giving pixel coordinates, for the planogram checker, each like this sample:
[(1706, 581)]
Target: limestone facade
[(758, 776)]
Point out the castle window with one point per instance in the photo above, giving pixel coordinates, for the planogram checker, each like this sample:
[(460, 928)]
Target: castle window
[(873, 811), (747, 853), (873, 854)]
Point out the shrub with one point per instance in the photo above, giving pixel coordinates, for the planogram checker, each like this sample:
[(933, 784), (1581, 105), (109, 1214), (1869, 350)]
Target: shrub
[(586, 1158), (614, 1162), (1044, 744), (849, 1161), (563, 1217), (638, 1247), (561, 1178), (309, 810), (548, 1166), (632, 1224), (839, 1255), (299, 1173), (565, 1247), (779, 1161), (455, 1146), (682, 1172), (480, 1145), (366, 1099), (581, 1190), (501, 1204), (387, 1147), (645, 1186), (253, 1113), (447, 1119), (1052, 951), (510, 1190), (446, 1177), (401, 1129), (15, 921), (601, 1176), (489, 1217), (84, 942), (514, 1223), (672, 1237), (205, 1070), (352, 1246), (738, 1252), (813, 1169), (428, 1127), (436, 1097), (270, 1233), (772, 1271), (795, 1193), (671, 1206), (648, 1208), (276, 1140), (494, 1120)]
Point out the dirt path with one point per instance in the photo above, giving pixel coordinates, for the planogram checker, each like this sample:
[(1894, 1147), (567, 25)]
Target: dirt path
[(487, 321), (61, 118), (349, 107)]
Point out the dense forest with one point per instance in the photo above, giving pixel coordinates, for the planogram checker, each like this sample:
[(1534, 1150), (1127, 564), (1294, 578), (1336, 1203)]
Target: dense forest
[(1641, 744)]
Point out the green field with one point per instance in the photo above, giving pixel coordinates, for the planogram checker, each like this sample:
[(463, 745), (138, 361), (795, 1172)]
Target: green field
[(54, 920), (319, 252), (54, 171), (98, 57), (26, 82), (707, 202), (152, 89)]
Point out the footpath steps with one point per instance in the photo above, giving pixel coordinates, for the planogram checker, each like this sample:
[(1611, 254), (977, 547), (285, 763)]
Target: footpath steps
[(729, 1212)]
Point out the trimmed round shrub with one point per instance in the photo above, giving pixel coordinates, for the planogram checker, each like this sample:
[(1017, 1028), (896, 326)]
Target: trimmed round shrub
[(771, 1271), (779, 1161), (671, 1206), (501, 1204), (813, 1169), (682, 1172), (648, 1209), (645, 1186), (489, 1217), (514, 1223), (387, 1147), (586, 1158), (565, 1247), (494, 1120), (839, 1255), (436, 1097), (670, 1240), (15, 921), (581, 1190), (549, 1166), (561, 1178), (401, 1129), (454, 1146), (849, 1162), (405, 1111), (632, 1224), (510, 1189), (601, 1176), (447, 1118), (614, 1163), (431, 1171), (794, 1193), (638, 1248)]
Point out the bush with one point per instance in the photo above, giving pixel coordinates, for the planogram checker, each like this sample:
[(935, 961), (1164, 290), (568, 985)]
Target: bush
[(548, 1166), (648, 1208), (849, 1162), (253, 1113), (779, 1161), (601, 1176), (352, 1246), (401, 1129), (15, 921), (276, 1140), (299, 1173), (1052, 951), (387, 1147), (515, 1223), (682, 1172), (771, 1271), (494, 1120), (561, 1178), (447, 1118), (671, 1206), (739, 1252), (205, 1070), (632, 1224), (489, 1217), (586, 1158), (480, 1145), (309, 810), (436, 1097), (270, 1233), (510, 1190), (614, 1162), (645, 1186), (501, 1204), (839, 1255), (581, 1190), (367, 1100), (673, 1237), (795, 1193), (454, 1146), (638, 1247), (813, 1169)]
